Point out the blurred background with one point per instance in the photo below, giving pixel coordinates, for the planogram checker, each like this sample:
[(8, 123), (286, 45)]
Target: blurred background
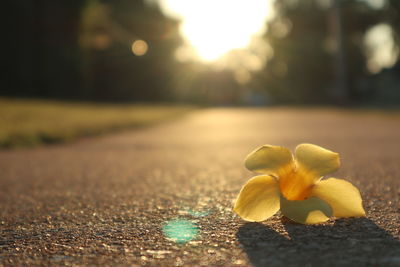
[(342, 52)]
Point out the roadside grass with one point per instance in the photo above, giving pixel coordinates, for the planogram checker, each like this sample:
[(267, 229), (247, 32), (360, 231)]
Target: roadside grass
[(32, 122)]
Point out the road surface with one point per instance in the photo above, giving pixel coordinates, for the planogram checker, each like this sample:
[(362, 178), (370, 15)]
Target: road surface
[(162, 196)]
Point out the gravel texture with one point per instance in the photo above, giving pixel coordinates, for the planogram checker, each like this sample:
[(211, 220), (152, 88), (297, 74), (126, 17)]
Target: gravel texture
[(114, 200)]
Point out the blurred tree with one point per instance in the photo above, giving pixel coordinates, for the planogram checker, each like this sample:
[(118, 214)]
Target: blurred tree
[(83, 49), (392, 15), (305, 39), (112, 70), (42, 52), (386, 83)]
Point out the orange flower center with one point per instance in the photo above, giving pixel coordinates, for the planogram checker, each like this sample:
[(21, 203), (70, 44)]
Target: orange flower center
[(296, 185)]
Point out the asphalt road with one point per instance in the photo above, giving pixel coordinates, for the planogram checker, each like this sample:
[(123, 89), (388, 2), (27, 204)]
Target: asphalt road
[(117, 200)]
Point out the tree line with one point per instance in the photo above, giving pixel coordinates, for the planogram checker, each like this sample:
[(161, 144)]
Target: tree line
[(83, 50)]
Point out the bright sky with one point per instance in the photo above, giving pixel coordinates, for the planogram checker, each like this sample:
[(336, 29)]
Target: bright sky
[(381, 49), (214, 27)]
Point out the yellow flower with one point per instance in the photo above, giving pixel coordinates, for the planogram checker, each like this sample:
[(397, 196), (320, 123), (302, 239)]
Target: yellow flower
[(294, 186)]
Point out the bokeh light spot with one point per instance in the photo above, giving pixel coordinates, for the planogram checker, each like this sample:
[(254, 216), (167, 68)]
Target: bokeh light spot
[(139, 48), (180, 230), (381, 49), (101, 41)]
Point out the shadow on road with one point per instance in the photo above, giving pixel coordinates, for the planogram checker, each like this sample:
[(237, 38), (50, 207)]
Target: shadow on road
[(356, 242)]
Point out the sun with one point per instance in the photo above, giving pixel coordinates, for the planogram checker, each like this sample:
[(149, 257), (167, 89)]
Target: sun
[(214, 27)]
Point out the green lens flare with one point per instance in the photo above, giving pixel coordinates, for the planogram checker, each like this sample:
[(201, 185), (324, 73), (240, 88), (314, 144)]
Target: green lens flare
[(180, 230)]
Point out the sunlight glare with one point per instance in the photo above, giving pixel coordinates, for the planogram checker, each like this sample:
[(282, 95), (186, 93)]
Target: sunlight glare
[(214, 28)]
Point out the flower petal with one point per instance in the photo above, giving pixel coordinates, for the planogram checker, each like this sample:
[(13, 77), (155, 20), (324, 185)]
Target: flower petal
[(258, 199), (342, 196), (270, 159), (316, 160), (310, 211)]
